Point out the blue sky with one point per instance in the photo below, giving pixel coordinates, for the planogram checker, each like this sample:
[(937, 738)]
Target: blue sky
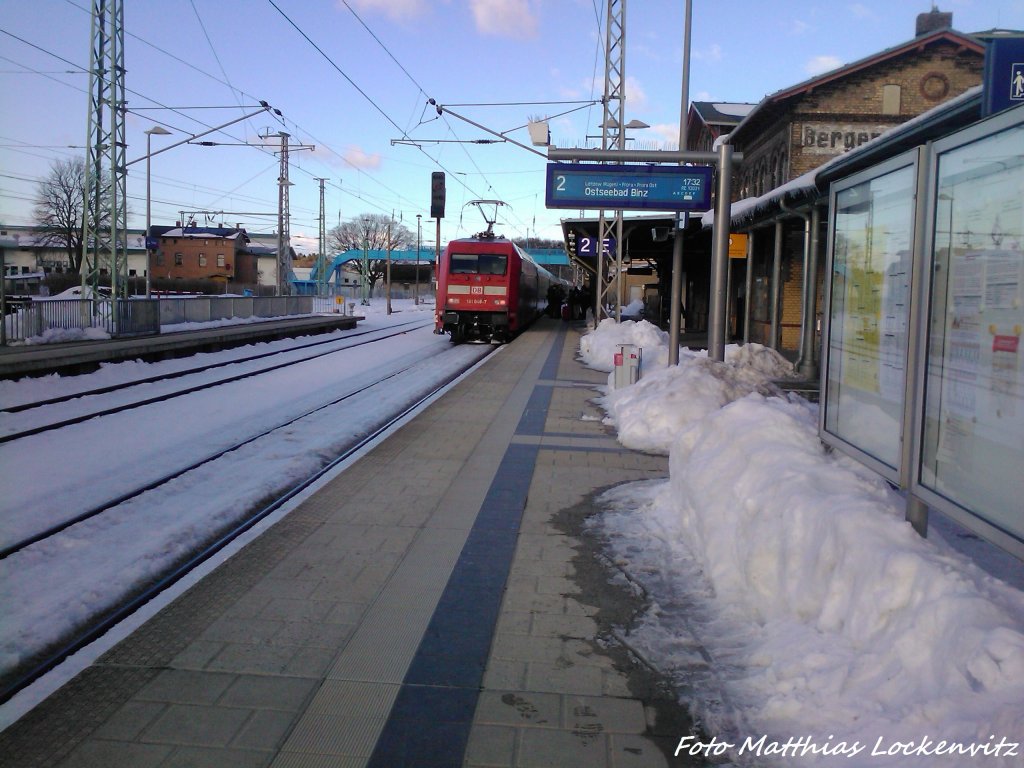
[(378, 62)]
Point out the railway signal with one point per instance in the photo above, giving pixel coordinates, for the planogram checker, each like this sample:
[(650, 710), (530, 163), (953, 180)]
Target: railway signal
[(437, 195)]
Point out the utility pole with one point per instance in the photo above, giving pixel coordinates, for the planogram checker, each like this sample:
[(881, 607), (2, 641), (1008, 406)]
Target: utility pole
[(284, 245), (365, 264), (388, 278), (676, 291), (321, 261), (419, 221)]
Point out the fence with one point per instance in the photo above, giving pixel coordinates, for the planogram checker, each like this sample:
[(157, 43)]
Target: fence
[(205, 309), (54, 319), (49, 318)]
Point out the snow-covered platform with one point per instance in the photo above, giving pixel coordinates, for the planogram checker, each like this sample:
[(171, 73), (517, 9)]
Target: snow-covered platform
[(70, 357), (435, 604)]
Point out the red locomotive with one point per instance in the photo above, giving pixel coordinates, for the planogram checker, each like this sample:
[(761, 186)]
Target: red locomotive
[(489, 289)]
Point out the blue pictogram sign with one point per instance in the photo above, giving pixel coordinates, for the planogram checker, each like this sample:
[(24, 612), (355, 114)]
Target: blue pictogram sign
[(1004, 75)]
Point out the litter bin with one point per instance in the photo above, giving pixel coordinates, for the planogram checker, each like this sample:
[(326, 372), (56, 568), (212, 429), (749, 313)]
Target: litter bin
[(627, 365)]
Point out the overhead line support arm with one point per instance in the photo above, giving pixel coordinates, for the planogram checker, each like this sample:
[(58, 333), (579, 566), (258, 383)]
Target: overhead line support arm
[(441, 109), (266, 108)]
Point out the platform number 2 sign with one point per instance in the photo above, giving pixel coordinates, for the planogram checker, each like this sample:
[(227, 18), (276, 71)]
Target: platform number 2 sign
[(588, 246)]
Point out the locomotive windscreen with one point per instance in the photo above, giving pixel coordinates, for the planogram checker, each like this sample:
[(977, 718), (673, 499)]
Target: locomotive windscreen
[(478, 264)]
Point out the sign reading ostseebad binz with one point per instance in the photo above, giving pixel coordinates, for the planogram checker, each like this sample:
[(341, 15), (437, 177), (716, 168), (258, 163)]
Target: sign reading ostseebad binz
[(629, 187)]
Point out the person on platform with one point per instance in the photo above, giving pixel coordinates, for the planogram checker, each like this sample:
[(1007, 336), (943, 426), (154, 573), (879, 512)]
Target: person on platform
[(555, 296)]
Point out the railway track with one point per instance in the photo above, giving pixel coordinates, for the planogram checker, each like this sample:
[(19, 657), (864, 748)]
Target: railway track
[(14, 680), (10, 549), (274, 360)]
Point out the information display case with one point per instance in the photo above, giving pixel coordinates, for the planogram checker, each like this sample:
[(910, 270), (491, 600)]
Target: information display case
[(971, 423), (868, 312), (923, 372)]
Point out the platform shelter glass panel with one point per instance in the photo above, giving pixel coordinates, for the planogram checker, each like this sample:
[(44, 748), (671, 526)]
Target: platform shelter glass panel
[(873, 224), (972, 449)]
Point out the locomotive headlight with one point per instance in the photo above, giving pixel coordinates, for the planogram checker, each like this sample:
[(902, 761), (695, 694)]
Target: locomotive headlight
[(500, 302)]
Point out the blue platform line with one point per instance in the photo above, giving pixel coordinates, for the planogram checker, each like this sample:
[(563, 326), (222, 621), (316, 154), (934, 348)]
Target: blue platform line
[(429, 724)]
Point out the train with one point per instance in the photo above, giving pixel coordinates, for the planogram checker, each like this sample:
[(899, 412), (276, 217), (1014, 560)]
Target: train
[(489, 289)]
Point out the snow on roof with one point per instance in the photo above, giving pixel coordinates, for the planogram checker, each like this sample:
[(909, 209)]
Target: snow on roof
[(226, 234), (28, 240), (735, 109)]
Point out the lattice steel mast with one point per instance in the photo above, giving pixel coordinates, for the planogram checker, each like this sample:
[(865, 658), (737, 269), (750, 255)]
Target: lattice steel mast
[(105, 211), (614, 117), (284, 237)]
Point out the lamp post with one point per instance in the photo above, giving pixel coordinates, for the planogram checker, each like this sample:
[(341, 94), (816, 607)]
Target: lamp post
[(156, 130), (419, 220)]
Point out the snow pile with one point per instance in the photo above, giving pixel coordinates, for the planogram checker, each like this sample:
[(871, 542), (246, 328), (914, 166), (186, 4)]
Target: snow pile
[(599, 347), (650, 414), (789, 598), (635, 308), (61, 335)]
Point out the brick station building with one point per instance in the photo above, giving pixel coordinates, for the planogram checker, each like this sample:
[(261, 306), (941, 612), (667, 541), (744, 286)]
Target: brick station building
[(799, 128)]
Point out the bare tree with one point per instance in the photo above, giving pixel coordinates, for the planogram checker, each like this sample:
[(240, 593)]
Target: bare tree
[(58, 209), (370, 231)]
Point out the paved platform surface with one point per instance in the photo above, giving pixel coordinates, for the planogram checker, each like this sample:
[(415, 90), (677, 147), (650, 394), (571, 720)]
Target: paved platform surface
[(38, 359), (433, 605)]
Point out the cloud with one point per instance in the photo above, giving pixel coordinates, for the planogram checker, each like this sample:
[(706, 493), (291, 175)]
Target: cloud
[(504, 18), (636, 98), (397, 10), (861, 11), (798, 27), (821, 64), (668, 134), (357, 158), (713, 53)]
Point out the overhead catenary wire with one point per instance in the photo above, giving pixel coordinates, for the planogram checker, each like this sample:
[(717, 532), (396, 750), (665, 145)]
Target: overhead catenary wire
[(376, 106), (213, 50), (382, 201)]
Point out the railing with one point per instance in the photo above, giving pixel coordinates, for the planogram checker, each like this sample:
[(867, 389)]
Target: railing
[(205, 309), (57, 319), (42, 320)]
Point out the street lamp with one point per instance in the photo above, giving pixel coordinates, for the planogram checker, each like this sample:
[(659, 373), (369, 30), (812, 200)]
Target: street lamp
[(613, 125), (156, 130), (419, 219)]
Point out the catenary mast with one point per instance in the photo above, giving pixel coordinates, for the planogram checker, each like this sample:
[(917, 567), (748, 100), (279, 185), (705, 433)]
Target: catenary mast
[(104, 210), (612, 137)]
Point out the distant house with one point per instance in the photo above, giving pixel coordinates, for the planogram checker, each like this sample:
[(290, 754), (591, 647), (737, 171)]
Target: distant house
[(708, 120), (29, 250), (205, 253)]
